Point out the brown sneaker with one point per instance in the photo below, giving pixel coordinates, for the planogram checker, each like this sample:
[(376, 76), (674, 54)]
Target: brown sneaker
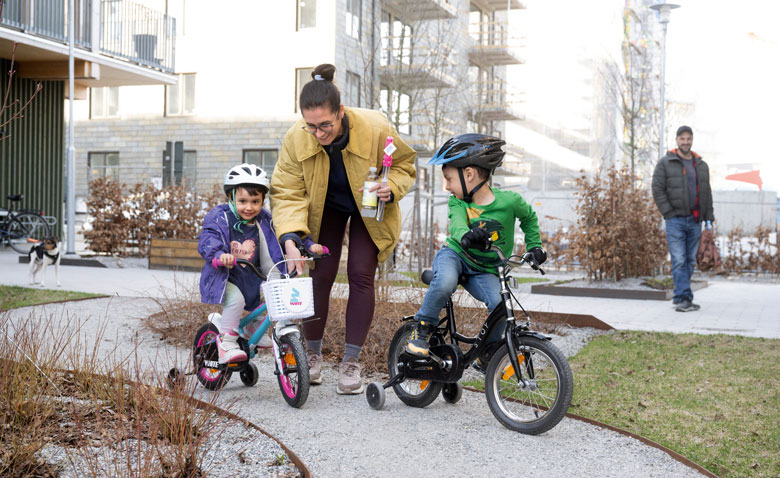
[(315, 367), (350, 382)]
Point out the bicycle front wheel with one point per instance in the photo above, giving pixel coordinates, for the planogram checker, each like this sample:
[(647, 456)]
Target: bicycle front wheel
[(25, 230), (535, 398), (294, 376)]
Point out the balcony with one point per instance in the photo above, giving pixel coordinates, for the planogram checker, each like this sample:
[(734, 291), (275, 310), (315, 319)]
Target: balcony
[(117, 42), (422, 138), (494, 100), (494, 44), (494, 5), (404, 66), (422, 9)]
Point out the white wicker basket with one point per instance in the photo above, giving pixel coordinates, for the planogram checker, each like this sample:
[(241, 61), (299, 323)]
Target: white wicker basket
[(289, 298)]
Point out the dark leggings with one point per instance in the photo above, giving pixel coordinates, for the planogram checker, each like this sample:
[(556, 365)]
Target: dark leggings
[(361, 266)]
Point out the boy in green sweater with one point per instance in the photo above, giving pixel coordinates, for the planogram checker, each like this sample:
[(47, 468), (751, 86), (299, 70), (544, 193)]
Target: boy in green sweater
[(477, 213)]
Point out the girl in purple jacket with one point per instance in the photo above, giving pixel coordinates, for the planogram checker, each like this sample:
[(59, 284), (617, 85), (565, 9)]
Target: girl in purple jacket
[(240, 229)]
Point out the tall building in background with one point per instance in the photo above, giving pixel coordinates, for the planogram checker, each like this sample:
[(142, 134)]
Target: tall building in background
[(435, 67)]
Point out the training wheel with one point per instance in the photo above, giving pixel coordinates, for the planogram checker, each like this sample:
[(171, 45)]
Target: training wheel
[(375, 395), (452, 392), (174, 378), (249, 375)]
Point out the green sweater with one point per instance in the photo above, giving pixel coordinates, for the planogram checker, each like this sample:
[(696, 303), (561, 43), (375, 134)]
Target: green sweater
[(498, 218)]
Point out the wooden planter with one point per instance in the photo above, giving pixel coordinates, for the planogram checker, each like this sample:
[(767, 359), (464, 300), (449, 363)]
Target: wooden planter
[(175, 254)]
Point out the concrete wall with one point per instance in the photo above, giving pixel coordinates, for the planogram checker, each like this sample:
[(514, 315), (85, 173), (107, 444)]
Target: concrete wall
[(746, 209)]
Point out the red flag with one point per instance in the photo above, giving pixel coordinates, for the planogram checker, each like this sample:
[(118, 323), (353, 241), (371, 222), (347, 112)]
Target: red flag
[(752, 177)]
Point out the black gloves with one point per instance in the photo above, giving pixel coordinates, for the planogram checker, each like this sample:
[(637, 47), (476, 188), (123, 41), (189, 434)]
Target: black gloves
[(476, 238), (537, 255)]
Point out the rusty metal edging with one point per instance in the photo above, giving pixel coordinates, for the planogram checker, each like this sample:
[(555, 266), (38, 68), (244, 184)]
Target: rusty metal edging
[(685, 461), (299, 464)]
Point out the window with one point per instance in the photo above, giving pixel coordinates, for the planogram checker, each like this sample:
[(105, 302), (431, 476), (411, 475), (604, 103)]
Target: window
[(396, 38), (180, 98), (352, 90), (184, 169), (265, 158), (397, 107), (104, 102), (353, 18), (302, 76), (307, 14), (103, 165)]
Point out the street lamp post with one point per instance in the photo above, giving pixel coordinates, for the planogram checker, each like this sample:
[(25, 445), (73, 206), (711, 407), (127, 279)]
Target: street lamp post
[(664, 12)]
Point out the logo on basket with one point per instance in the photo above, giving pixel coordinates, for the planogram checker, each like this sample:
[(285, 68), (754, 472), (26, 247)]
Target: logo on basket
[(295, 298)]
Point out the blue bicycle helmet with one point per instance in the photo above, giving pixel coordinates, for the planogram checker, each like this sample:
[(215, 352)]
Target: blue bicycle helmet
[(470, 149)]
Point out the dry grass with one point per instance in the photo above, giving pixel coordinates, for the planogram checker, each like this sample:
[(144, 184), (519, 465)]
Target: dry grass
[(106, 420)]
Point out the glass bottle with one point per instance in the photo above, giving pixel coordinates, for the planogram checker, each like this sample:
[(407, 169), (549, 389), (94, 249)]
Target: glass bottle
[(370, 199)]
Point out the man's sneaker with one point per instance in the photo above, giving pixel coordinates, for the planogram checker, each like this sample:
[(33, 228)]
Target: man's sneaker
[(686, 306), (677, 300), (350, 382), (229, 350), (315, 367), (695, 306), (418, 341)]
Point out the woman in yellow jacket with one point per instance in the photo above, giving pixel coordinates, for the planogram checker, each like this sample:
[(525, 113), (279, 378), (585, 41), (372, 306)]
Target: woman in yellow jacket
[(316, 188)]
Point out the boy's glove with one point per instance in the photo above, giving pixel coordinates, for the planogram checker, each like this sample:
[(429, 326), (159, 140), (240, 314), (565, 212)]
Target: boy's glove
[(476, 238), (540, 255)]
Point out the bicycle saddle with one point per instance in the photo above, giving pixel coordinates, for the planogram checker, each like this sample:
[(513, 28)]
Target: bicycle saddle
[(15, 197)]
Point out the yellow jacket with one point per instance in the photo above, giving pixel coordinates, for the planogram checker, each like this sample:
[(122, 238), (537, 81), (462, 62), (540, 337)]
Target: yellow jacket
[(300, 179)]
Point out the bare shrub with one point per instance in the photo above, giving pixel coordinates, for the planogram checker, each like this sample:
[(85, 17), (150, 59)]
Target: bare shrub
[(745, 253), (125, 224), (618, 232)]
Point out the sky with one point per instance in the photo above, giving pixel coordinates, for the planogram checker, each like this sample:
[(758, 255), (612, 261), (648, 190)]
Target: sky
[(723, 57)]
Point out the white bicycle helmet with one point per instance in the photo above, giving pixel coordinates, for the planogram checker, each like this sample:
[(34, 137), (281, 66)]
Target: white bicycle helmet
[(246, 174)]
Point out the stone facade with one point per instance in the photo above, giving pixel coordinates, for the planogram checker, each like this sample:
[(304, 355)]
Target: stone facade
[(218, 144)]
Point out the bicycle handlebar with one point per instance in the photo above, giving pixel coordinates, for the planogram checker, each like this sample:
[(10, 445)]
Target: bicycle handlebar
[(308, 256), (526, 258)]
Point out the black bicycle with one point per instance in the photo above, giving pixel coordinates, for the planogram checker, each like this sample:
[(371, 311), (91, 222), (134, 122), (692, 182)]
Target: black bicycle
[(21, 229), (528, 381)]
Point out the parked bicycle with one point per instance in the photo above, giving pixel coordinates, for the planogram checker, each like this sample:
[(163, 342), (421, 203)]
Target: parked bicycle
[(528, 381), (21, 229), (287, 300)]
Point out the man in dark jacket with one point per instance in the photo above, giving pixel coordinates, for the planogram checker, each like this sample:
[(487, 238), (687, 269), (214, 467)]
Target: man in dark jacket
[(681, 190)]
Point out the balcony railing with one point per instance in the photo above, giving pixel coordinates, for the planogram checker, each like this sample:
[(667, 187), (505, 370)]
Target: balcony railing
[(138, 33), (422, 9), (126, 30), (494, 43), (415, 62), (49, 19), (495, 100)]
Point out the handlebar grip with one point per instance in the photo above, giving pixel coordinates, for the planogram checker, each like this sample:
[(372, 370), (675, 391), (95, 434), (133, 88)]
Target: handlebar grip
[(216, 263), (325, 250)]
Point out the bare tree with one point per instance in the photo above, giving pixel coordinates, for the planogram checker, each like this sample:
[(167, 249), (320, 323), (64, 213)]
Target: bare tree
[(15, 109)]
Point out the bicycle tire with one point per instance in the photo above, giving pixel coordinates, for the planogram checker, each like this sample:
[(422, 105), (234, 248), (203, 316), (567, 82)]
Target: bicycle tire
[(414, 393), (26, 229), (294, 377), (204, 347), (542, 401)]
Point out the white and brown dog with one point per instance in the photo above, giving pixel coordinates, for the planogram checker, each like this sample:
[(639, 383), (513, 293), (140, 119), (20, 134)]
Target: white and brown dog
[(42, 255)]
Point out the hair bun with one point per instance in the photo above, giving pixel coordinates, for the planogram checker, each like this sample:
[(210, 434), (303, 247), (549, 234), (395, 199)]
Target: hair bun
[(326, 71)]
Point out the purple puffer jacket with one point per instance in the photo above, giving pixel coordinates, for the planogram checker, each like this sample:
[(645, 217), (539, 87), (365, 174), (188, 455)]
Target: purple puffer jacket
[(214, 240)]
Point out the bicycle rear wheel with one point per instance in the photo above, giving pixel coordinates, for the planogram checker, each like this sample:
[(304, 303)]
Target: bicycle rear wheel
[(535, 398), (414, 393), (25, 230)]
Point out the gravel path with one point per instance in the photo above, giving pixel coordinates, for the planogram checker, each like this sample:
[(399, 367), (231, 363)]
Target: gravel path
[(340, 436)]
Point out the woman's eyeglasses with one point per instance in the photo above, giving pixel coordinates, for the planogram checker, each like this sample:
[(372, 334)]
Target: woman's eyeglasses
[(312, 128)]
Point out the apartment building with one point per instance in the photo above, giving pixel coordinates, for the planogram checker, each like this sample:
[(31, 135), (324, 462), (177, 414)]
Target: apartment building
[(435, 67), (116, 43)]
